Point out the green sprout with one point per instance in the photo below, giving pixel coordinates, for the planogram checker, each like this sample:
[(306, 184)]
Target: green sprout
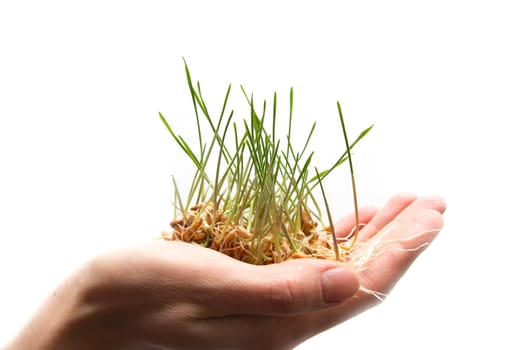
[(252, 194)]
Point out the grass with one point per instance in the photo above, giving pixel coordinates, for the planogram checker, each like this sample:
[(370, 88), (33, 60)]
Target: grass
[(253, 195)]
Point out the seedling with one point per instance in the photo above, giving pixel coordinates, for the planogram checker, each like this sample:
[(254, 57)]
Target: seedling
[(253, 195)]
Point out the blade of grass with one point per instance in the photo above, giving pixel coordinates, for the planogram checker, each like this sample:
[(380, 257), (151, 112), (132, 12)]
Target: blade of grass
[(332, 228), (194, 100), (185, 147), (352, 175)]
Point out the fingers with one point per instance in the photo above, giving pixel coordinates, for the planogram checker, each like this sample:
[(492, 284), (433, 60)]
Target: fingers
[(419, 223), (296, 287), (415, 223), (346, 225), (401, 241), (386, 214)]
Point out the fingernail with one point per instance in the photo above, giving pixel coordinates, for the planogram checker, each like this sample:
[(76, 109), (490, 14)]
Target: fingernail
[(338, 284)]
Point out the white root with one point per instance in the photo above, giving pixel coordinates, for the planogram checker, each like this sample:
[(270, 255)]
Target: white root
[(364, 252)]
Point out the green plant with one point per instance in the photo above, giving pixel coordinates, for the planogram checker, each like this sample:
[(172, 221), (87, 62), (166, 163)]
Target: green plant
[(252, 196)]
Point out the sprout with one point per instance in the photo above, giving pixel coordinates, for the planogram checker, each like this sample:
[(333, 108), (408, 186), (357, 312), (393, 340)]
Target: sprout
[(252, 194)]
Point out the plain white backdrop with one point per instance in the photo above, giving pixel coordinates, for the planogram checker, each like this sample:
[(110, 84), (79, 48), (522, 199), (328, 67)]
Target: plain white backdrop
[(85, 163)]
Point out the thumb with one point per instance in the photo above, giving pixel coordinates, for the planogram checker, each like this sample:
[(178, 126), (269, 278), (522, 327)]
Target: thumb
[(293, 287)]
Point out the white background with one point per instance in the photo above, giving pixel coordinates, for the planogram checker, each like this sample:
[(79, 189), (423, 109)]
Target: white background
[(86, 164)]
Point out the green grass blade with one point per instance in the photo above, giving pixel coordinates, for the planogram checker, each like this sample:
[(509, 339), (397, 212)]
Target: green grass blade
[(332, 227)]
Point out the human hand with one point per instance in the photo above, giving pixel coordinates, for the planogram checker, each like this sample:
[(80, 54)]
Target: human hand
[(387, 245), (172, 295)]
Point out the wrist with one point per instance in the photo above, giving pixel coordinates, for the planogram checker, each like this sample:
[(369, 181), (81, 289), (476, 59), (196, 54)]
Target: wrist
[(70, 318), (50, 322)]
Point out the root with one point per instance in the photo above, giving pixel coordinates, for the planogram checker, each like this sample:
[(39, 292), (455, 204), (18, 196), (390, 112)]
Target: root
[(378, 295), (209, 227), (351, 234), (364, 253)]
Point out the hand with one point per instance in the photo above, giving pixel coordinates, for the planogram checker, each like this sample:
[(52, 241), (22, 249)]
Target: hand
[(394, 237), (172, 295)]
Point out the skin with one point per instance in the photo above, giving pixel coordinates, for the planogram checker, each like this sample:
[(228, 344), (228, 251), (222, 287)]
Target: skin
[(172, 295)]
